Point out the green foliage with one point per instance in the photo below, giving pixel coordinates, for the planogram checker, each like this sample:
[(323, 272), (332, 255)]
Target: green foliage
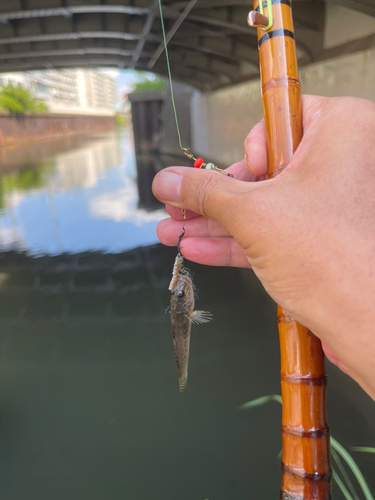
[(41, 107), (147, 83), (363, 449), (121, 120), (260, 401), (10, 103), (353, 468), (338, 452), (345, 483), (18, 100)]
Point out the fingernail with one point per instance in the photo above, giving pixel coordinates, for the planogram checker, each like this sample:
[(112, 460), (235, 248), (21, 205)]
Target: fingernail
[(167, 186)]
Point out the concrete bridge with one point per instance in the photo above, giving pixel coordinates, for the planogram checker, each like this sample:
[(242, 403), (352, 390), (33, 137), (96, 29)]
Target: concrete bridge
[(212, 48)]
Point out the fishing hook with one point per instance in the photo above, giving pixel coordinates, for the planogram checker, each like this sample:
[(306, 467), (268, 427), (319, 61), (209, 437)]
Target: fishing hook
[(180, 239)]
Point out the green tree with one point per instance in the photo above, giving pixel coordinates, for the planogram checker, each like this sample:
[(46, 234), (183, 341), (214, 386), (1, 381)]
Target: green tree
[(18, 100), (147, 83)]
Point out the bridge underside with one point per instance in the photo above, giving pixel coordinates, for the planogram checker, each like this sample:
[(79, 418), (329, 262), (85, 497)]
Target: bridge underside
[(212, 48)]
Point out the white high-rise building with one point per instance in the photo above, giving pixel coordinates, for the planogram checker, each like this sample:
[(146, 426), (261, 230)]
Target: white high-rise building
[(13, 79), (57, 88), (97, 90), (73, 91)]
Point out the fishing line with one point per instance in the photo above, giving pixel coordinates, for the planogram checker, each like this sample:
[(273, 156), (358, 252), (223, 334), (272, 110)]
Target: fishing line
[(169, 74), (198, 162), (180, 239)]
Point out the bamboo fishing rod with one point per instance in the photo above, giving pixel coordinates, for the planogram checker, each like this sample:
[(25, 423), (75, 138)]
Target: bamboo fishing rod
[(305, 437)]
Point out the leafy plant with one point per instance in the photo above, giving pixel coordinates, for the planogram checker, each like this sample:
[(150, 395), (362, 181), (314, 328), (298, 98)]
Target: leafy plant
[(18, 100), (121, 120), (338, 452), (363, 449), (147, 83)]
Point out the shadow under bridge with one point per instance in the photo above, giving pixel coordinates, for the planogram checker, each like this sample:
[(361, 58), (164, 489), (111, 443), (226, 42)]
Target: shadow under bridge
[(212, 47)]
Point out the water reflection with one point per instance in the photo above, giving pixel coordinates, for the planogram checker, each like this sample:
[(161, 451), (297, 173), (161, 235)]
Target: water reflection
[(147, 165), (83, 198)]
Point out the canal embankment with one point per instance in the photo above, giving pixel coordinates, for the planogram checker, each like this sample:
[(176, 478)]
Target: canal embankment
[(23, 129)]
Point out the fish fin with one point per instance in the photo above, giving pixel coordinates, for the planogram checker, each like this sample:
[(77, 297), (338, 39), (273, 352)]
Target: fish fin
[(200, 317)]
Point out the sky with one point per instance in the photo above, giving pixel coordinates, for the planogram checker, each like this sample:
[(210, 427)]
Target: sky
[(124, 78)]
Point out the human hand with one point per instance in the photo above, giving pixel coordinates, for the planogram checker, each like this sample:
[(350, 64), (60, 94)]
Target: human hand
[(308, 234)]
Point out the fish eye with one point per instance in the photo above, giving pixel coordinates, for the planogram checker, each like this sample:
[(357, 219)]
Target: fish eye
[(180, 294)]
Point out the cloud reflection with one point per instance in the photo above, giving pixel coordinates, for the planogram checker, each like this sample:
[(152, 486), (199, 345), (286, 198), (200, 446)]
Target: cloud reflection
[(10, 238), (122, 205)]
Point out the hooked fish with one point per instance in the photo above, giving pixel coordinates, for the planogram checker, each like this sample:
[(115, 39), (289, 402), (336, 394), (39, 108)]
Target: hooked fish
[(182, 316)]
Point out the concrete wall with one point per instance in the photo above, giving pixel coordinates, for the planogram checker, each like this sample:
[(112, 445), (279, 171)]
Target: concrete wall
[(344, 25), (23, 129), (168, 143), (222, 119)]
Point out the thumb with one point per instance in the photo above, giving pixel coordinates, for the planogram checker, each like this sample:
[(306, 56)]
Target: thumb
[(205, 192), (256, 151)]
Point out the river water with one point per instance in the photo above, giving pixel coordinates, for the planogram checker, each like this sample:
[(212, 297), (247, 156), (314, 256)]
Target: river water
[(88, 389)]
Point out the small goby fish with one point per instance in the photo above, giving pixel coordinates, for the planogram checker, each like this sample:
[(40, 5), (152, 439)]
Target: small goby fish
[(182, 316)]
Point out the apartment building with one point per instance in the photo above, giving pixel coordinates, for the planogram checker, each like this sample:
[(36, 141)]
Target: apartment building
[(81, 91), (13, 79), (55, 87), (97, 90)]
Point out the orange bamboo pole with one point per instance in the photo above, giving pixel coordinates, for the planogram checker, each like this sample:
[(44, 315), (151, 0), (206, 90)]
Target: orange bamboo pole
[(305, 437)]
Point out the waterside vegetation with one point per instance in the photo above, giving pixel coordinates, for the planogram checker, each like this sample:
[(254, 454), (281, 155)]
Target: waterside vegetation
[(20, 101), (147, 83)]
